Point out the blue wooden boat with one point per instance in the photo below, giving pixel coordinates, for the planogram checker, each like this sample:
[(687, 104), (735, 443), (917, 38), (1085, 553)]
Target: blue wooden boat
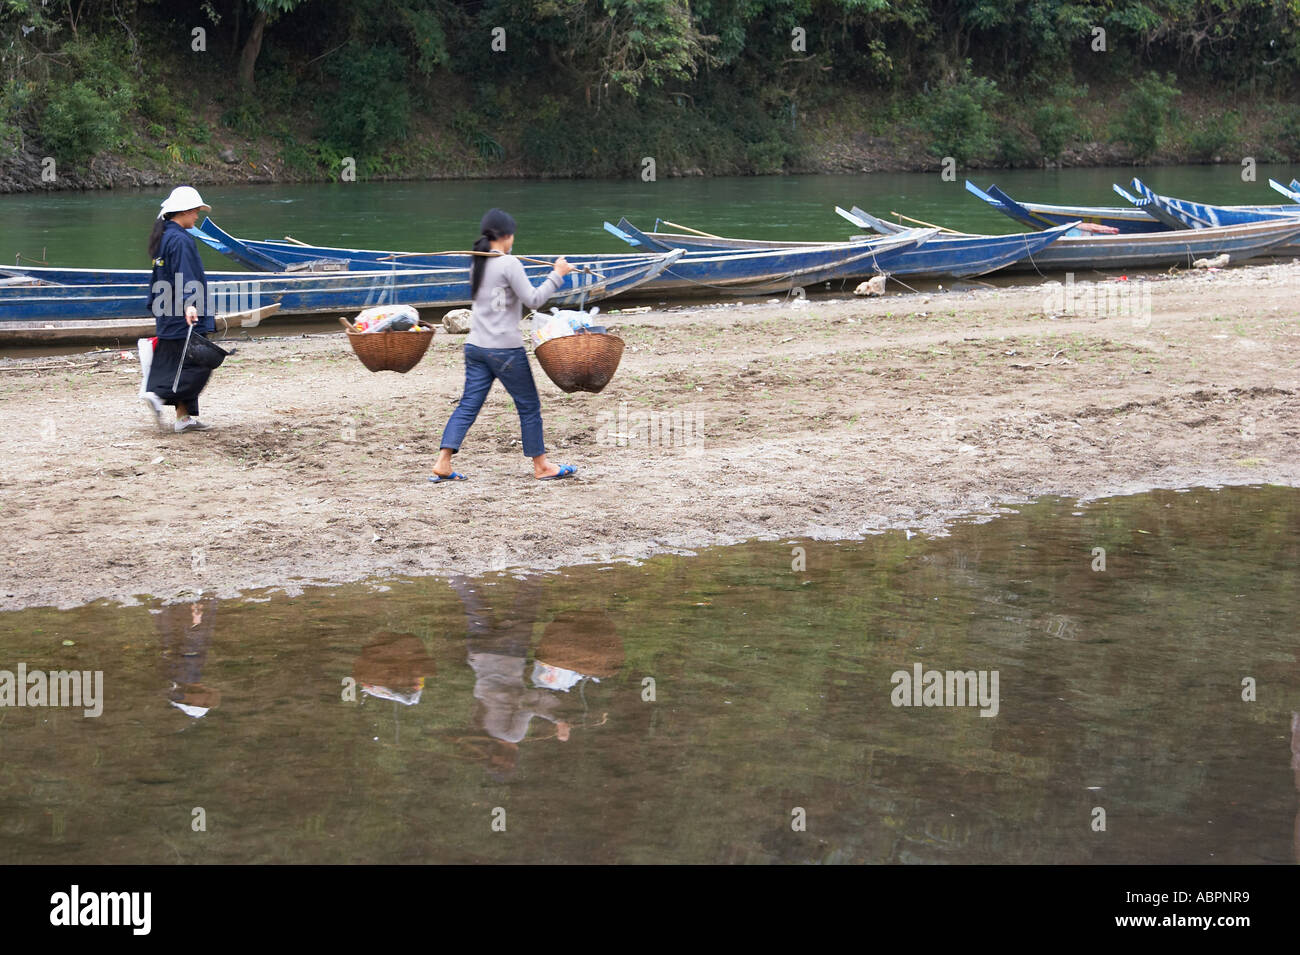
[(778, 269), (1148, 213), (941, 255), (1185, 214), (101, 294), (1151, 249), (1040, 215), (758, 271), (964, 256), (1292, 191)]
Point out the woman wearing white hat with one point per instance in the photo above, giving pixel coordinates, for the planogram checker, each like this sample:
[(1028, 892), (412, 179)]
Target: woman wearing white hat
[(178, 298)]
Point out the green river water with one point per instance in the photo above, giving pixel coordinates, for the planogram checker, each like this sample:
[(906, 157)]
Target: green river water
[(109, 229), (1120, 690)]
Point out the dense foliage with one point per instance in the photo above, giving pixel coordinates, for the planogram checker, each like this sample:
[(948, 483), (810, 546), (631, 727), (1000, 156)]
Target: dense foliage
[(587, 86)]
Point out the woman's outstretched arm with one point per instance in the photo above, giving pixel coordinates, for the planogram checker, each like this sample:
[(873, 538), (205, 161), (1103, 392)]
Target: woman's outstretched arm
[(530, 296)]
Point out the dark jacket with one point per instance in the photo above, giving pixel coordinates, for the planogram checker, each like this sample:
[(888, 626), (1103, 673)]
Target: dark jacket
[(178, 281)]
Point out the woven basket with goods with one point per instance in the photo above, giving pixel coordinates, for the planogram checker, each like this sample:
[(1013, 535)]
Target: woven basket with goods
[(583, 362), (390, 351)]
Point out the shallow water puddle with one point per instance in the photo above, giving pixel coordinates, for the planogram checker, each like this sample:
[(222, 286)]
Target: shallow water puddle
[(772, 702)]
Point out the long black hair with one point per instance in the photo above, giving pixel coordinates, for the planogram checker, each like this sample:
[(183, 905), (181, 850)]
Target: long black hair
[(495, 225), (155, 234)]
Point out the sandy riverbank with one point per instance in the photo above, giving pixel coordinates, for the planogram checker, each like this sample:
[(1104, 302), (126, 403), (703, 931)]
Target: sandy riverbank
[(824, 419)]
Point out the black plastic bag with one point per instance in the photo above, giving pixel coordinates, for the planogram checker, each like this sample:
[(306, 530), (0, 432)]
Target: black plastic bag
[(202, 353)]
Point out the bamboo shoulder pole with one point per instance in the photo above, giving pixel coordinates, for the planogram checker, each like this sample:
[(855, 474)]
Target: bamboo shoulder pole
[(521, 258)]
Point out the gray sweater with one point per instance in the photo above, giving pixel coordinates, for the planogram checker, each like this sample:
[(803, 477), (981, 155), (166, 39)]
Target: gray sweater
[(498, 306)]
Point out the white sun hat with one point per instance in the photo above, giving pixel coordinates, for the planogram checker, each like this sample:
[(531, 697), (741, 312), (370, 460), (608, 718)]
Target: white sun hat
[(182, 199)]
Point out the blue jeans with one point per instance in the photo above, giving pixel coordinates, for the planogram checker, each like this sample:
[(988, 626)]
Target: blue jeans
[(482, 367)]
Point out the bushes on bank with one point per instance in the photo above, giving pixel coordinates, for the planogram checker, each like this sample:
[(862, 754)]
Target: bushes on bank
[(1213, 136), (1143, 123), (958, 120), (371, 107), (1055, 123), (1285, 132), (87, 108)]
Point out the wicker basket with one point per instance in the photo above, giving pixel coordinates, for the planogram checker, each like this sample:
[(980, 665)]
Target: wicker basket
[(584, 362), (390, 351)]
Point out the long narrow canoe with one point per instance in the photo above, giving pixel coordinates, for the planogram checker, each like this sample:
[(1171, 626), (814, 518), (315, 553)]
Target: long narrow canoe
[(1150, 249), (761, 271), (1040, 215), (758, 271), (1185, 214), (1147, 213), (941, 255), (90, 295)]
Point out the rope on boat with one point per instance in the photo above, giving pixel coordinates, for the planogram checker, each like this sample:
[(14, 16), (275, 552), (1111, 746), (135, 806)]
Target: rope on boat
[(900, 282), (1024, 237)]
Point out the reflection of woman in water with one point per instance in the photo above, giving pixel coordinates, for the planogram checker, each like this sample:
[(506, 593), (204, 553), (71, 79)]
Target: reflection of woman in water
[(498, 654), (184, 632), (576, 647)]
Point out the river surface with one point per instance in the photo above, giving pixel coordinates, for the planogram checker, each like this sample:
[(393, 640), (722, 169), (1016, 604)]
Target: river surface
[(110, 229), (738, 705)]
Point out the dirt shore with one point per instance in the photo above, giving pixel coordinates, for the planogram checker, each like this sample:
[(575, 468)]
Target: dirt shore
[(827, 419)]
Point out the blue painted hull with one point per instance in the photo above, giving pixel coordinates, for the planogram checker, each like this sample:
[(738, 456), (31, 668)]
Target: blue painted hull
[(87, 295), (1149, 213), (965, 256), (1154, 249), (1038, 215), (778, 269), (940, 256), (758, 271), (1185, 214)]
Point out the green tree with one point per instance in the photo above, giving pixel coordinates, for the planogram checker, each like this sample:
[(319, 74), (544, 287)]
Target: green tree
[(627, 44), (1142, 124), (264, 12)]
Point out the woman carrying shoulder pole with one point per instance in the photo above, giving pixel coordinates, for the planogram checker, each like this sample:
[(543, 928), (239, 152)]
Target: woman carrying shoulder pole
[(178, 298), (495, 349)]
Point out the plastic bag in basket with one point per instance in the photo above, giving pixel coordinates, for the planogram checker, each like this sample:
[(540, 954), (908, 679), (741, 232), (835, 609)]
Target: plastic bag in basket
[(387, 318), (561, 323)]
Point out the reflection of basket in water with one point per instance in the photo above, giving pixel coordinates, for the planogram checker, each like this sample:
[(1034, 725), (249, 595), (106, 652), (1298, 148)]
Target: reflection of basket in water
[(583, 362), (583, 641), (395, 661), (390, 351)]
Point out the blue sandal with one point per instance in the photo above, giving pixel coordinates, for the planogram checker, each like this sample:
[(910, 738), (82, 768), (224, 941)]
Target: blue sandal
[(566, 470), (453, 476)]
